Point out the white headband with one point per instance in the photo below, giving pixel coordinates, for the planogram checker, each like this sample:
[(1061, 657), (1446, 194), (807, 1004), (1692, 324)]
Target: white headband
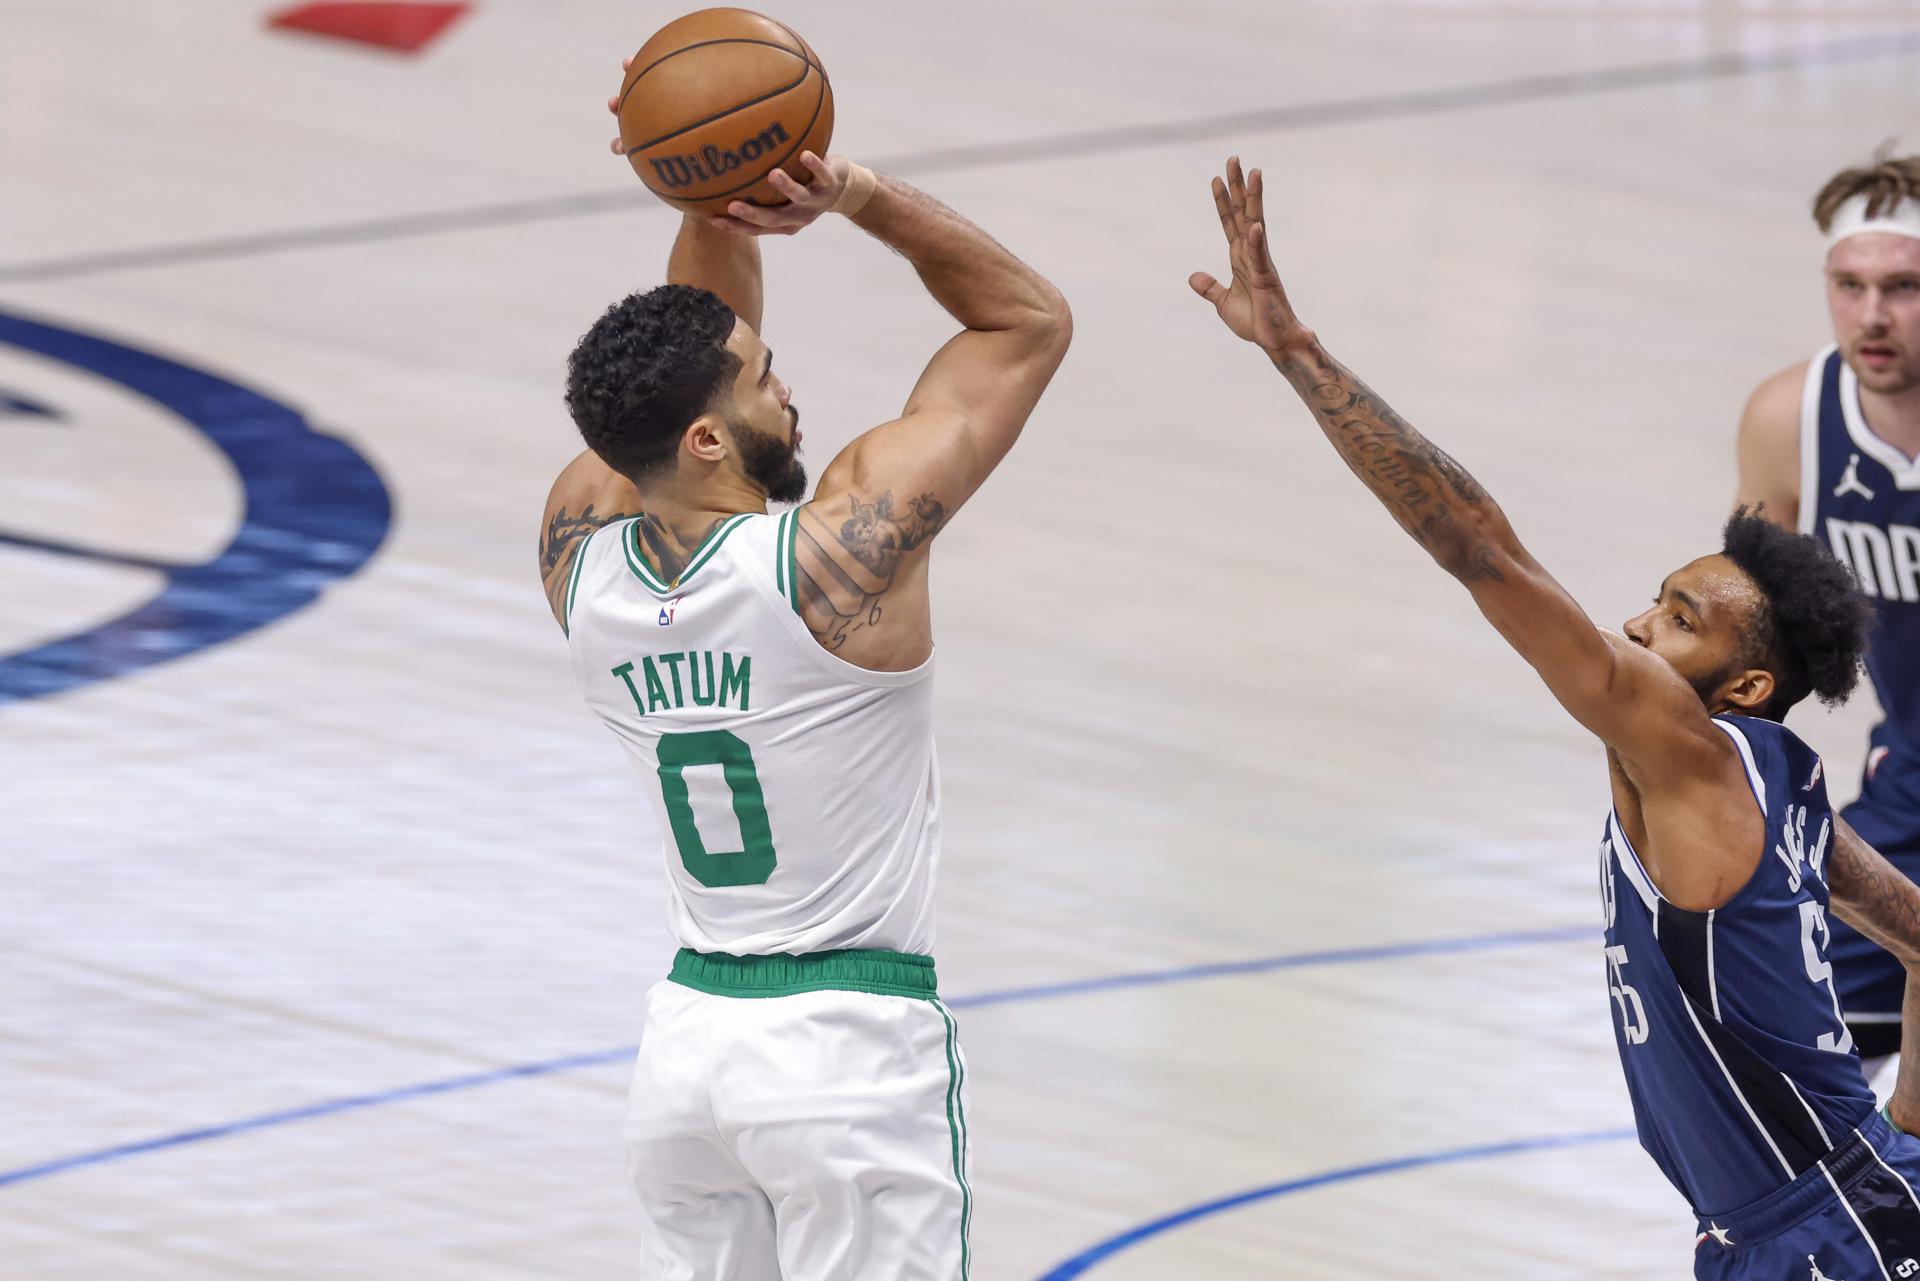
[(1850, 219)]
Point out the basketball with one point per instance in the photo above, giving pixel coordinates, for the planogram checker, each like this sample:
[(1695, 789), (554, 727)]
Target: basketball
[(717, 100)]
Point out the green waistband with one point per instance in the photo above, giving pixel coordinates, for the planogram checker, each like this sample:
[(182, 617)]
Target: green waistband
[(781, 974)]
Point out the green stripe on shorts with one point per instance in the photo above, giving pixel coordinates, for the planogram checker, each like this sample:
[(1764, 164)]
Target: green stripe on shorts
[(957, 1127)]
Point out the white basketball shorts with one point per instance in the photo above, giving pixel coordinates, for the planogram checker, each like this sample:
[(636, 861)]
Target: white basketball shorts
[(801, 1118)]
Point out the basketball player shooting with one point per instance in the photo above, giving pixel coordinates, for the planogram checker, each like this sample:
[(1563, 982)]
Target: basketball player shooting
[(1831, 447), (1720, 857), (798, 1109)]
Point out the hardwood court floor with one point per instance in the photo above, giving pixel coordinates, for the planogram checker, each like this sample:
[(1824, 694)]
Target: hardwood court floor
[(1202, 704)]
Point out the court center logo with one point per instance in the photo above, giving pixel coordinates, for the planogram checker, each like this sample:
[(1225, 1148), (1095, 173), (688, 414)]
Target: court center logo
[(313, 512)]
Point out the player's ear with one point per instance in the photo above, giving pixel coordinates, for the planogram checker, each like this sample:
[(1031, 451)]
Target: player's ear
[(704, 439), (1749, 690)]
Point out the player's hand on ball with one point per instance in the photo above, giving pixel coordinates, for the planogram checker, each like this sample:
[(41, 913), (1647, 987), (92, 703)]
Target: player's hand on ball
[(618, 147), (1254, 306), (805, 202)]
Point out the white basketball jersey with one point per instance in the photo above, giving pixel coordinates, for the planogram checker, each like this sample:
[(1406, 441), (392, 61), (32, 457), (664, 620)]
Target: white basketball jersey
[(798, 795)]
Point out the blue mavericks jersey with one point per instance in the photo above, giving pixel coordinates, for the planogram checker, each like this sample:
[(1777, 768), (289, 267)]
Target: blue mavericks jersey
[(1740, 1068), (1862, 497)]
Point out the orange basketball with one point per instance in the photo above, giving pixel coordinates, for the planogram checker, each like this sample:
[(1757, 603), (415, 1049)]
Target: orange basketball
[(717, 100)]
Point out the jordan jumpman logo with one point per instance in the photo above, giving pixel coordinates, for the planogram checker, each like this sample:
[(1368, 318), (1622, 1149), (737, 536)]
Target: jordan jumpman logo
[(1818, 1275), (1850, 481)]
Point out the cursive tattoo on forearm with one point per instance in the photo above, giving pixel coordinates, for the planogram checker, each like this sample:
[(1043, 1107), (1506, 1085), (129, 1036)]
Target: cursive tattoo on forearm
[(1871, 895), (1433, 497), (844, 568)]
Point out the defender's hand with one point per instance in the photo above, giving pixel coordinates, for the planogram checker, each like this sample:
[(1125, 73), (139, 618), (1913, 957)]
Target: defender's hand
[(804, 203), (1255, 305)]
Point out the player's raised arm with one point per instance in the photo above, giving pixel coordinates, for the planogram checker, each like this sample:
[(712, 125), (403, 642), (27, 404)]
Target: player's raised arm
[(589, 494), (977, 392), (864, 537), (1625, 695)]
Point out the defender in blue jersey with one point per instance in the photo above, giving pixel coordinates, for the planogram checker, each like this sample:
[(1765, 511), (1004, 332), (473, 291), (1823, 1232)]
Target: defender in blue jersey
[(1721, 856), (1832, 448)]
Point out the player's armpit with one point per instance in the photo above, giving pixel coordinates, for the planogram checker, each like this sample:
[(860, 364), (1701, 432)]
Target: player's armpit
[(1769, 447), (1871, 895)]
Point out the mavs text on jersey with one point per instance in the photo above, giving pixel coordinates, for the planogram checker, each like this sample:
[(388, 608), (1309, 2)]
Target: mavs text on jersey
[(1861, 496)]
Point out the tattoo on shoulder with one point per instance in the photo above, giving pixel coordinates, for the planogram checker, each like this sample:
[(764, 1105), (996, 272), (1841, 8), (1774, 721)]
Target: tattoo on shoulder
[(564, 530), (843, 572)]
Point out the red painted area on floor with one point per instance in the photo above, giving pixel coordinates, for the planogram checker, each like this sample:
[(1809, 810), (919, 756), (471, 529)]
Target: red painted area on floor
[(404, 28)]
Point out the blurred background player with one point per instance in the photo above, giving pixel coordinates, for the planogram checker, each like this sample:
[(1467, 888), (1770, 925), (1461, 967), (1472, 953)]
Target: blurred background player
[(1831, 447), (1721, 854), (798, 1107)]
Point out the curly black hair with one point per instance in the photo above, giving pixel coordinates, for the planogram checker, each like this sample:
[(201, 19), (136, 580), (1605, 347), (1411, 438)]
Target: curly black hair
[(652, 364), (1813, 620)]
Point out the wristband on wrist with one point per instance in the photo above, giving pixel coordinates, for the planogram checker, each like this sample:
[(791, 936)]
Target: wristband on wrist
[(1886, 1114), (861, 184)]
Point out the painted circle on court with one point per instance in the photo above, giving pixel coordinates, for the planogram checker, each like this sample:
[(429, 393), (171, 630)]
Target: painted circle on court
[(313, 511)]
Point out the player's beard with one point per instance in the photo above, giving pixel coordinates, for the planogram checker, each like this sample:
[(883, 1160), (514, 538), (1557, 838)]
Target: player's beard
[(1709, 685), (772, 463)]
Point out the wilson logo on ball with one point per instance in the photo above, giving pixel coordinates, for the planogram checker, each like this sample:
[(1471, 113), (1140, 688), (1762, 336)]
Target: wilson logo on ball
[(710, 161)]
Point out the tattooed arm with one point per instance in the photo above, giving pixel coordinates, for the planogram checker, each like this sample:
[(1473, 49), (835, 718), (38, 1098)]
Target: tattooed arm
[(860, 545), (588, 495), (1629, 698), (1871, 895)]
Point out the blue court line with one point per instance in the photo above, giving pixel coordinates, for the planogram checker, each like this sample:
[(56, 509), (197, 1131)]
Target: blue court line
[(599, 1058), (1086, 1259), (314, 512), (1266, 964)]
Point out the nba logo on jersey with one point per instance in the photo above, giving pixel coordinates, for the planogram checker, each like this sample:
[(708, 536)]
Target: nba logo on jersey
[(667, 610)]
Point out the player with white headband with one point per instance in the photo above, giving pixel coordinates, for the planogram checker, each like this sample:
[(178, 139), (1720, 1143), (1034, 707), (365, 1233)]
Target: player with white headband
[(1832, 447)]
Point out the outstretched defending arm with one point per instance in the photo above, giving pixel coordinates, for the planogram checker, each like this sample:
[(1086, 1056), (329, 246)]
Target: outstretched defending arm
[(1630, 699), (1871, 895)]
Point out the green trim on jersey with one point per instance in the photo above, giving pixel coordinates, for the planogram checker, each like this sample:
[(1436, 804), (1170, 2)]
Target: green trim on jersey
[(957, 1128), (573, 584), (784, 974), (784, 577), (780, 574), (637, 562), (787, 563)]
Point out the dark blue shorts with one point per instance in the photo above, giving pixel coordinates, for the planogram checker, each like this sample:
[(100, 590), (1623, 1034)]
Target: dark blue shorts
[(1854, 1217)]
